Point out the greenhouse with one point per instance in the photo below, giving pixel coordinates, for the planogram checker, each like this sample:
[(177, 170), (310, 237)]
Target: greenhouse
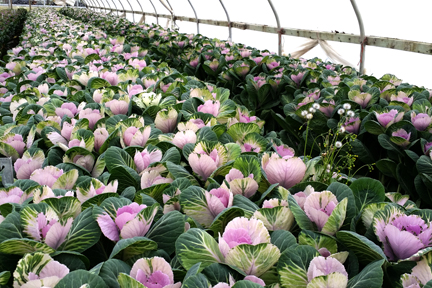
[(217, 143)]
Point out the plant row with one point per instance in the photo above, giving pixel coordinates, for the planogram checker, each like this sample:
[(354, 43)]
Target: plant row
[(383, 124), (11, 24), (130, 173)]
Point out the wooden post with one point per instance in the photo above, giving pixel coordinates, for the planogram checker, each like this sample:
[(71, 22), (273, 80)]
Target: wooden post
[(30, 5)]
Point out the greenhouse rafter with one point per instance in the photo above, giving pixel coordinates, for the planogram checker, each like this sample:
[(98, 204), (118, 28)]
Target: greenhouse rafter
[(377, 41)]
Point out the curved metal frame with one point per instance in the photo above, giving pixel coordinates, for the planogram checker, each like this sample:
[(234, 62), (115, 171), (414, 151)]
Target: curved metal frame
[(278, 26), (86, 4), (142, 10), (105, 8), (92, 5), (170, 5), (229, 21), (196, 16), (100, 6), (133, 11), (111, 10), (116, 8), (124, 10), (171, 11), (362, 36), (157, 16)]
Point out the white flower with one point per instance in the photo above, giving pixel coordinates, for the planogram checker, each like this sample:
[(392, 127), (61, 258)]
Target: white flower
[(347, 106), (350, 113), (341, 111), (309, 116), (342, 130), (312, 110), (304, 113), (316, 106), (338, 144)]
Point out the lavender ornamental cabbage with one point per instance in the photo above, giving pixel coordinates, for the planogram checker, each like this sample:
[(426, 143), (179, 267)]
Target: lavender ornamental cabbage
[(401, 235), (130, 221), (326, 272), (153, 272), (286, 172), (420, 274)]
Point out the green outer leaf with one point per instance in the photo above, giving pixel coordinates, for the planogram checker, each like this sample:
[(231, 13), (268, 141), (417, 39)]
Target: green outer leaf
[(194, 205), (370, 277), (178, 172), (132, 247), (283, 240), (196, 245), (300, 216), (11, 227), (367, 190), (126, 281), (193, 271), (318, 241), (336, 219), (196, 281), (217, 273), (97, 83), (78, 278), (374, 127), (67, 180), (98, 199), (29, 263), (23, 246), (4, 277), (365, 250), (342, 191), (65, 207), (293, 265), (126, 176), (166, 231), (172, 155), (116, 157), (223, 218), (111, 269), (84, 233), (8, 151), (248, 164), (73, 256), (244, 203), (253, 259), (156, 192), (387, 167)]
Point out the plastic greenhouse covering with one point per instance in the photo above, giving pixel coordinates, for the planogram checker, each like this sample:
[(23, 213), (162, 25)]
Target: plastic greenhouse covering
[(380, 18)]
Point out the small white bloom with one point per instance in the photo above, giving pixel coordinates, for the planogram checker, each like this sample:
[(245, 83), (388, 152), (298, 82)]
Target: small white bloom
[(309, 116), (328, 171), (347, 106), (328, 166), (350, 113), (312, 110), (341, 111), (316, 106), (338, 144), (342, 130), (304, 113)]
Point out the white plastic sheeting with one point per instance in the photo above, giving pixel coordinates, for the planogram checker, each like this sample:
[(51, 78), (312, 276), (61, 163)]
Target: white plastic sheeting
[(388, 18)]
